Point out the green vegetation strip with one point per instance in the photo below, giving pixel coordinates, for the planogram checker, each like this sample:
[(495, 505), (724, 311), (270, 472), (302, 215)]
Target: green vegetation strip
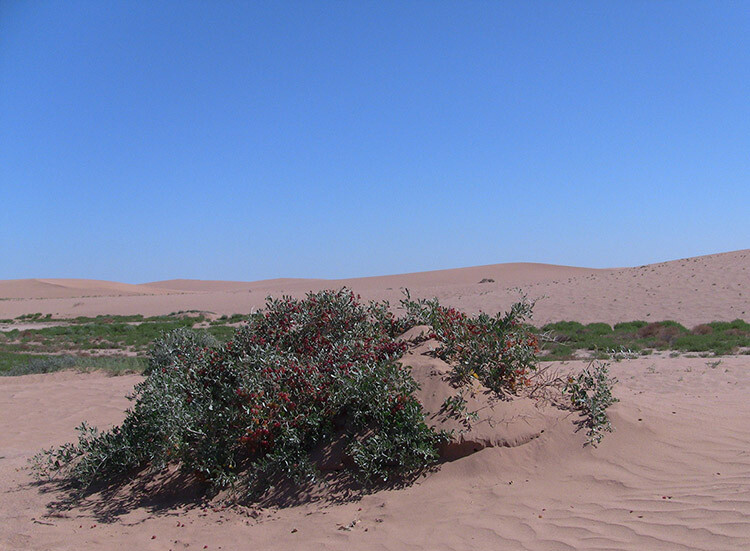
[(104, 333), (26, 364), (39, 350), (563, 339)]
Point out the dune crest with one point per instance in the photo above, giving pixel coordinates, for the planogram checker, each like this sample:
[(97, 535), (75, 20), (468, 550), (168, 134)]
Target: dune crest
[(70, 288), (690, 291)]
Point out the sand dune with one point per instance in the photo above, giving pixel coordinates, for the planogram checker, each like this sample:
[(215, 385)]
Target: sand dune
[(70, 288), (208, 286), (674, 475), (691, 291)]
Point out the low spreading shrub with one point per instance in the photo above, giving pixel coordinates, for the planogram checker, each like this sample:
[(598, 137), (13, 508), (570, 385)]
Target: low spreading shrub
[(562, 339), (42, 364), (14, 364), (630, 326), (599, 329), (703, 329), (664, 332), (300, 373)]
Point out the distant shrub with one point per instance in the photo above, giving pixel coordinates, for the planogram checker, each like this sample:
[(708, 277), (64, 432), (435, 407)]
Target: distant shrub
[(737, 326), (663, 332), (630, 326), (42, 364), (22, 364), (598, 329), (717, 337), (565, 327), (561, 352), (31, 317)]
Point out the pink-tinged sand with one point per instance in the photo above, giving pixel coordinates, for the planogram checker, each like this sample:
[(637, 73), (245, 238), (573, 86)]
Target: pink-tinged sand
[(690, 291), (674, 475)]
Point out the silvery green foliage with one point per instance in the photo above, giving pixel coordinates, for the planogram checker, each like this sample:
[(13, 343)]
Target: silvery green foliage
[(591, 392), (180, 341), (298, 376), (250, 411)]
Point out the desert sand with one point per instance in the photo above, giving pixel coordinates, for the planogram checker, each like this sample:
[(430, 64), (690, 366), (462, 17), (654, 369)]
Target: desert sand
[(675, 474), (690, 291)]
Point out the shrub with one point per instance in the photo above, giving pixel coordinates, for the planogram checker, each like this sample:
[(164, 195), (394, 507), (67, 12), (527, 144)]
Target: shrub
[(564, 327), (630, 326), (42, 364), (663, 332), (561, 351), (300, 373), (703, 329), (590, 391), (13, 364), (737, 326), (598, 329)]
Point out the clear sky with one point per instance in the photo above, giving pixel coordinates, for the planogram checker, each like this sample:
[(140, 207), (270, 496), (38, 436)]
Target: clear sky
[(142, 141)]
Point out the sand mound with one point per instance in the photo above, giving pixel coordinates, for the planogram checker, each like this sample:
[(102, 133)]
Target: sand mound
[(485, 420)]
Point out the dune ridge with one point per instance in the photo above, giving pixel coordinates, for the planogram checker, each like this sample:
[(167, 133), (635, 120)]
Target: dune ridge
[(70, 288), (690, 291)]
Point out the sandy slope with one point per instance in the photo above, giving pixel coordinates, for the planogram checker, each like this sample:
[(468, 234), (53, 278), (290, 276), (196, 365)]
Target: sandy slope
[(208, 286), (71, 288), (691, 291), (674, 475)]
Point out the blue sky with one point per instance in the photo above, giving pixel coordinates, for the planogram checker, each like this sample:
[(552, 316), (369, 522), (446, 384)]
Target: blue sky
[(216, 140)]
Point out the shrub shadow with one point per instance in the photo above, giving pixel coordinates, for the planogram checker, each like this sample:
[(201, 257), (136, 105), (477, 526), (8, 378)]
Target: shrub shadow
[(162, 493), (172, 492)]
